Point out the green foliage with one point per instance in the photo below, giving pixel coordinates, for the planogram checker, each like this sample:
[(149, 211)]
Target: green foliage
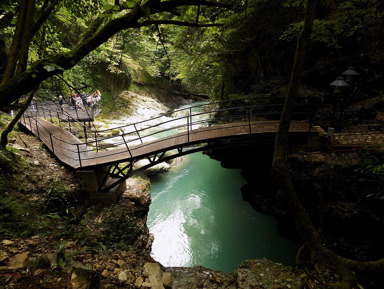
[(372, 168), (348, 19), (61, 199), (114, 229), (295, 3), (4, 119), (372, 163), (81, 9), (14, 216), (119, 229), (63, 257), (196, 59)]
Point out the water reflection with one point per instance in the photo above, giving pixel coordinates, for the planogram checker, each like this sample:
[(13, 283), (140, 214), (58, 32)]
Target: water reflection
[(171, 237), (198, 217)]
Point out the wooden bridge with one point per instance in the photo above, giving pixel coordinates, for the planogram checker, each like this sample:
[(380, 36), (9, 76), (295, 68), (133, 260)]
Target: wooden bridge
[(105, 158)]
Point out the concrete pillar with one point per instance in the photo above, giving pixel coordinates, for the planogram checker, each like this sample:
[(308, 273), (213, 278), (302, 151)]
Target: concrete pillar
[(92, 181)]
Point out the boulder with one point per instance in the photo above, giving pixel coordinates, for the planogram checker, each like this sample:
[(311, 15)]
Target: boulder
[(84, 279), (18, 261), (155, 275)]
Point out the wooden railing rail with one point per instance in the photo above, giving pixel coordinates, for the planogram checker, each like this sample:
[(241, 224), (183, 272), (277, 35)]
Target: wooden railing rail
[(184, 121)]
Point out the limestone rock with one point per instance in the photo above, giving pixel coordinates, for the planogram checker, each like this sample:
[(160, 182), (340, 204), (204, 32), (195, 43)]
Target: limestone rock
[(156, 169), (7, 242), (123, 277), (155, 275), (3, 256), (105, 273), (121, 264), (84, 279), (167, 280), (39, 272), (139, 281), (17, 261)]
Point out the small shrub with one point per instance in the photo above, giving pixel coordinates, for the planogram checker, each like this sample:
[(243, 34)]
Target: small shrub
[(372, 162), (111, 228), (14, 219)]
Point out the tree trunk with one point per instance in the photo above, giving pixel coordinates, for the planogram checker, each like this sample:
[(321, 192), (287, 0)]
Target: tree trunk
[(279, 164), (27, 35), (286, 192), (11, 125), (16, 43), (304, 226)]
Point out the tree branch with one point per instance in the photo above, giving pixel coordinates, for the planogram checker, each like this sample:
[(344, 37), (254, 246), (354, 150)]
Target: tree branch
[(198, 13), (24, 82), (175, 22), (6, 20), (178, 3), (162, 43), (11, 125), (46, 10)]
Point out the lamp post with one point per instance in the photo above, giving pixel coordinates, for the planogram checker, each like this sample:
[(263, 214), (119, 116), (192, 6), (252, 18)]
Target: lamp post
[(339, 84), (350, 73)]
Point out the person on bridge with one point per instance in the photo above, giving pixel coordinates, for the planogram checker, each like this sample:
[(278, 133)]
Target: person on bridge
[(84, 98), (89, 101), (97, 95), (79, 102), (32, 105), (73, 100), (61, 103)]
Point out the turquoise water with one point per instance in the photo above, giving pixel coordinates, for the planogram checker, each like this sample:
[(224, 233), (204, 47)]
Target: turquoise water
[(198, 217)]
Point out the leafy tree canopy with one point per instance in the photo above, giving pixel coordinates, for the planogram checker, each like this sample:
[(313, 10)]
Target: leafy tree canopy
[(35, 44)]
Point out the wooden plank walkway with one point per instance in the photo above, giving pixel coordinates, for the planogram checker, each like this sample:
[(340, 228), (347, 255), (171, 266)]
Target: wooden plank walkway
[(357, 140), (75, 154)]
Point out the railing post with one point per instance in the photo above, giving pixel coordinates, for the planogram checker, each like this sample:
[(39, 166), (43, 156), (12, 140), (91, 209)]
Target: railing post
[(134, 125), (69, 124), (58, 117), (188, 128), (37, 128), (97, 144), (126, 145), (78, 153), (50, 137), (85, 133), (249, 120), (190, 115)]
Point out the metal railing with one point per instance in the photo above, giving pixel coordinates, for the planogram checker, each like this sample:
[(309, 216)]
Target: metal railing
[(184, 122)]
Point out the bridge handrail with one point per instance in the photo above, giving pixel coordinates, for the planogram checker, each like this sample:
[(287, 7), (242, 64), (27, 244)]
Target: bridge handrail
[(146, 130), (183, 125), (54, 141), (47, 113), (151, 127)]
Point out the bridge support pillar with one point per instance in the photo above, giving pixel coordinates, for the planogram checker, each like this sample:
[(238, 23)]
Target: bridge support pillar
[(316, 141), (92, 180)]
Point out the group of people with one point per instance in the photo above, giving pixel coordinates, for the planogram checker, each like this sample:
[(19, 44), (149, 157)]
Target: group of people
[(84, 100)]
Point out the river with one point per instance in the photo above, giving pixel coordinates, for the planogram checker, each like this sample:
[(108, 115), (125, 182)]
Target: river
[(198, 217)]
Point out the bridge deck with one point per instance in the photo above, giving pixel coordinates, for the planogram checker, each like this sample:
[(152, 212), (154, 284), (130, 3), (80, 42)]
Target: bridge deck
[(75, 154)]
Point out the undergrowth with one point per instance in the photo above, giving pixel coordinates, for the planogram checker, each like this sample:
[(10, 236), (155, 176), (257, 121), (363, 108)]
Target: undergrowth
[(111, 228)]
